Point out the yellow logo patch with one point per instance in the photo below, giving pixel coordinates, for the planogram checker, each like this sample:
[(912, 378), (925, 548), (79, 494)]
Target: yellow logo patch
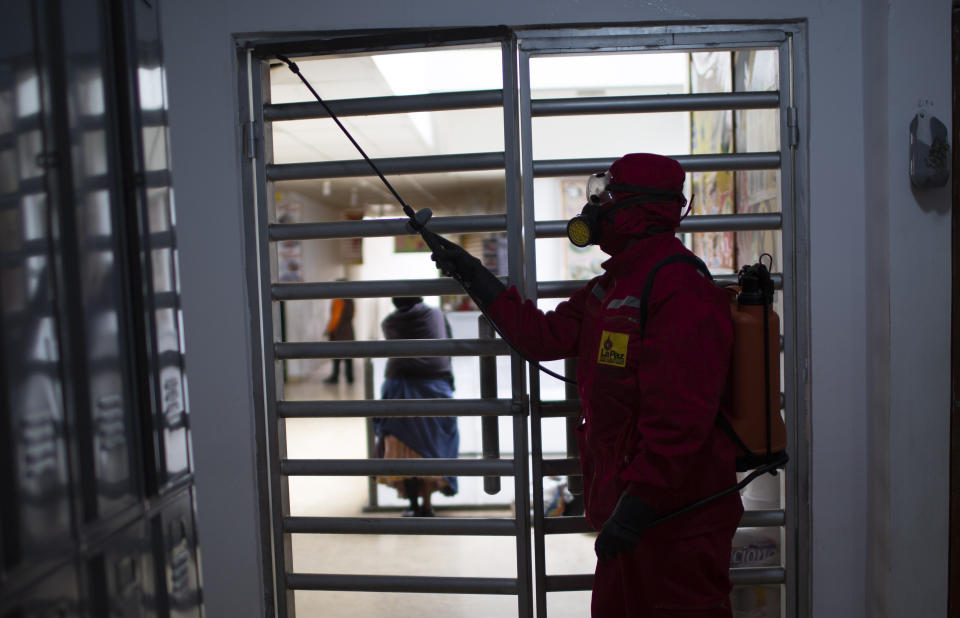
[(613, 349)]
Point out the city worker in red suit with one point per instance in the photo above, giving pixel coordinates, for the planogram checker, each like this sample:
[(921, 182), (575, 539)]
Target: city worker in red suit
[(648, 439)]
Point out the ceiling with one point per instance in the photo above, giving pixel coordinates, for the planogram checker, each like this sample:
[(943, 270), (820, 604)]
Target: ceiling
[(454, 132)]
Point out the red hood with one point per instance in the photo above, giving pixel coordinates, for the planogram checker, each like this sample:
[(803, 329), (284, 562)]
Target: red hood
[(632, 222)]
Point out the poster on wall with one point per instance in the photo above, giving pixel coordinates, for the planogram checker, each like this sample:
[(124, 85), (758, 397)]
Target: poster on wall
[(289, 252), (711, 132), (351, 249), (758, 191), (412, 243)]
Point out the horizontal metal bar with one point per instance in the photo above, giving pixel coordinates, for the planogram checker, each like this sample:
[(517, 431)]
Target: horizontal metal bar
[(747, 222), (166, 300), (655, 103), (763, 519), (369, 106), (692, 224), (394, 408), (758, 576), (568, 583), (397, 467), (371, 228), (755, 576), (24, 124), (566, 525), (35, 185), (98, 242), (466, 526), (147, 118), (397, 165), (560, 467), (365, 289), (569, 407), (394, 348), (565, 289), (155, 179), (750, 519), (690, 163), (266, 45), (631, 38), (498, 223), (558, 289), (402, 583), (495, 161), (540, 107)]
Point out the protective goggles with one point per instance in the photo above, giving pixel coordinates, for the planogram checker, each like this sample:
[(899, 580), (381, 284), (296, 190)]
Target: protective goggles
[(584, 229)]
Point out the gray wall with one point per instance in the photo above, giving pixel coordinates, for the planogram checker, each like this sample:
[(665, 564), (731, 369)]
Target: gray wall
[(919, 252), (879, 278)]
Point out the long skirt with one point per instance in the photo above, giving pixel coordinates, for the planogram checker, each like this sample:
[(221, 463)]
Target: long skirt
[(414, 437)]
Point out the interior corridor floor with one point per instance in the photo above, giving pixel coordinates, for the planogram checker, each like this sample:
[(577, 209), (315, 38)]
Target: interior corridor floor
[(450, 556)]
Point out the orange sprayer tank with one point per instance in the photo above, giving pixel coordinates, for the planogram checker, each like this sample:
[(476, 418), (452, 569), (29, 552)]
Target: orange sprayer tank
[(754, 411)]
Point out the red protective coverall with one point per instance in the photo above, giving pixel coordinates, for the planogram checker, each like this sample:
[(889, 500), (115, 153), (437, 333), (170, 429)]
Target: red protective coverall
[(648, 422)]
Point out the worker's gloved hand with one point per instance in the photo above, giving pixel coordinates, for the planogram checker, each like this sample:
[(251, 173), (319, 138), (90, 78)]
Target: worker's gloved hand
[(454, 261), (623, 530)]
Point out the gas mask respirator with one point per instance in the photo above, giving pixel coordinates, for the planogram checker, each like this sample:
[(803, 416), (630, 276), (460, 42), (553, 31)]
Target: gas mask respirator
[(601, 206)]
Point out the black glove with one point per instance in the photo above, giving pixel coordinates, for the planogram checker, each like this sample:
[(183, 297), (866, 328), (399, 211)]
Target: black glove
[(454, 261), (622, 531)]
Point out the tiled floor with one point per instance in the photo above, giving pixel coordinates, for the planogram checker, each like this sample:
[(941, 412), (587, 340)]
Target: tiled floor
[(401, 554)]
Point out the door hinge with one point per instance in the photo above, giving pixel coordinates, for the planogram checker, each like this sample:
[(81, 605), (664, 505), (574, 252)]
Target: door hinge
[(793, 127), (249, 140)]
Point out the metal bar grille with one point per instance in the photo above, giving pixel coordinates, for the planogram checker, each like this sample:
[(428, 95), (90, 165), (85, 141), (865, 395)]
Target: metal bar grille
[(365, 289), (693, 223), (473, 526), (579, 525), (654, 103), (403, 583), (428, 287), (569, 466), (385, 227), (486, 161), (433, 164), (740, 577), (395, 348), (396, 467), (369, 106), (497, 223), (543, 107), (395, 408), (690, 163), (563, 289), (521, 230)]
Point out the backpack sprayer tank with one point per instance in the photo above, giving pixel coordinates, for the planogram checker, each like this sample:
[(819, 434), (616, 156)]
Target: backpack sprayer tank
[(754, 380)]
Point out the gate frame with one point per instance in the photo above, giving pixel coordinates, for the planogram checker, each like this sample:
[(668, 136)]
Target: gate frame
[(518, 45)]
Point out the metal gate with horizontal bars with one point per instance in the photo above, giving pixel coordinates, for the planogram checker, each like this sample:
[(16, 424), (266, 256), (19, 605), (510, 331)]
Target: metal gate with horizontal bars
[(524, 228)]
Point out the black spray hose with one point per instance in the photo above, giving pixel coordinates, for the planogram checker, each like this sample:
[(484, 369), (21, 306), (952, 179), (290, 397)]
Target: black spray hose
[(418, 220), (770, 467), (407, 210)]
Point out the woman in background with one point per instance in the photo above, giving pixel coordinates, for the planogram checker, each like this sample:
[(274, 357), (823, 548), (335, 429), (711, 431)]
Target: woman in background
[(417, 378)]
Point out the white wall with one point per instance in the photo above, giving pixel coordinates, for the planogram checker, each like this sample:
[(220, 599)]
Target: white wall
[(850, 116), (306, 320)]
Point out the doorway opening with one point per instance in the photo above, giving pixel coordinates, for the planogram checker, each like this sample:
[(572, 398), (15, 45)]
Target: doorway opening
[(496, 131)]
